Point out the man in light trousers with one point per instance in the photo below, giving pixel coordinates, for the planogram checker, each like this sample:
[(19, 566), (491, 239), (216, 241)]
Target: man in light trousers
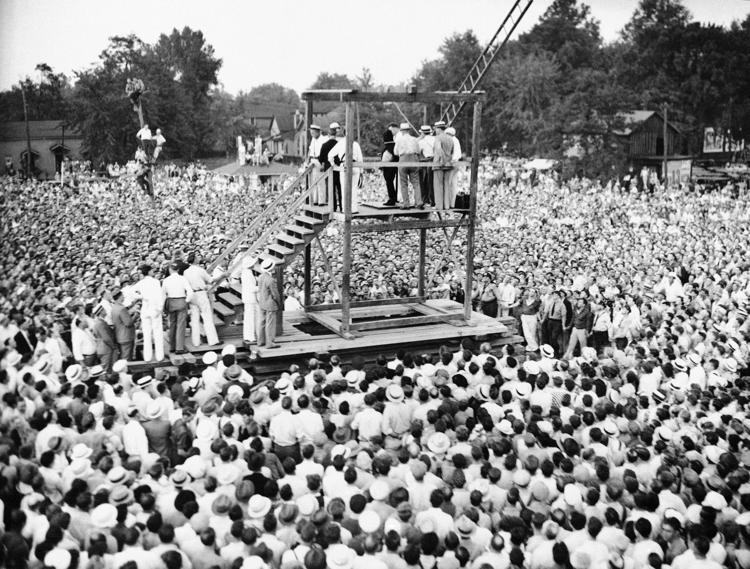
[(250, 300), (149, 291), (200, 305), (269, 304)]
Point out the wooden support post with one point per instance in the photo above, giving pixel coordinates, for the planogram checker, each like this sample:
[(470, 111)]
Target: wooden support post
[(308, 122), (347, 203), (472, 208), (280, 285), (422, 255), (308, 276)]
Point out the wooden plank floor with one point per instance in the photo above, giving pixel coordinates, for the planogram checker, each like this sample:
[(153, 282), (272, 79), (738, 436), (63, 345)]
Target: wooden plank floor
[(368, 210), (296, 345)]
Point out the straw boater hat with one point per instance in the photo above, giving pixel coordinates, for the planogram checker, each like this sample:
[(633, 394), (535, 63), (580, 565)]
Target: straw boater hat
[(267, 265), (394, 393)]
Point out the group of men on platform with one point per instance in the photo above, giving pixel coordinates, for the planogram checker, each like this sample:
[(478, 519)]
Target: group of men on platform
[(431, 159)]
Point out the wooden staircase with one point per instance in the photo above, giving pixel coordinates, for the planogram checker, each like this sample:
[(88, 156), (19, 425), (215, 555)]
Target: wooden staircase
[(280, 243)]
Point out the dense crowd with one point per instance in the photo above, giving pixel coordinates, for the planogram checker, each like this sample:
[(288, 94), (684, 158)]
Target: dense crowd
[(619, 439)]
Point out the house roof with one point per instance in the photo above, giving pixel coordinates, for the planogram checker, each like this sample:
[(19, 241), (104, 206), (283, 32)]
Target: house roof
[(634, 119), (38, 130), (282, 112)]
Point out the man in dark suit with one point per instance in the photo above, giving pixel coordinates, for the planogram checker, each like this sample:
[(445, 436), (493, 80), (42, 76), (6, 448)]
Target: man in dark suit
[(124, 325), (269, 304), (389, 155), (325, 164), (25, 339), (106, 345)]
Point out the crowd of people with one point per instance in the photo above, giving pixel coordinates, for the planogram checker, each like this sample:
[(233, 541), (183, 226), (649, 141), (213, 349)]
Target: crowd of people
[(616, 437)]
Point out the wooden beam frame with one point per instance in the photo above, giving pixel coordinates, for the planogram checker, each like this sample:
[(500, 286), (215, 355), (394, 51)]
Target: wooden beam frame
[(405, 225), (352, 95), (405, 321), (476, 140), (366, 303), (347, 207)]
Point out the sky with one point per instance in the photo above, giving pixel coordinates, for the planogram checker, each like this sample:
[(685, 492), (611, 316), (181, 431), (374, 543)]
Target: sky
[(283, 41)]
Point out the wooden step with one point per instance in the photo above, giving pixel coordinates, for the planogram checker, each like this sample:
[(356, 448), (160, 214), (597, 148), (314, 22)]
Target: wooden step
[(308, 221), (298, 230), (222, 310), (284, 238), (218, 321), (317, 211), (236, 289), (230, 300), (280, 251)]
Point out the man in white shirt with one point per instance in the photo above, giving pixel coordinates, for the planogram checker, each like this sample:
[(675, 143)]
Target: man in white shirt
[(457, 154), (319, 196), (150, 293), (250, 300), (283, 432), (407, 149), (426, 153), (177, 292), (200, 305)]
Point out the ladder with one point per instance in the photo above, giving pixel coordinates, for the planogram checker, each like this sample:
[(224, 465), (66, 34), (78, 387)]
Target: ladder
[(483, 62)]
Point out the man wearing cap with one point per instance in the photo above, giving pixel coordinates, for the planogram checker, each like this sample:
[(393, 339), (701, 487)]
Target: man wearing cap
[(389, 155), (200, 305), (426, 154), (269, 304), (150, 293), (407, 150), (177, 292), (442, 166), (313, 157)]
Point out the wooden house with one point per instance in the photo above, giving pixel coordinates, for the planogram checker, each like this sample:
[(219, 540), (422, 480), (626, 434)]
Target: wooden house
[(642, 135)]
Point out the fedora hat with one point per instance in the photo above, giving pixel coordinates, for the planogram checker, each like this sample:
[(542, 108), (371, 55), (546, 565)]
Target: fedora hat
[(153, 410), (438, 443), (104, 516), (221, 504), (80, 451), (258, 506)]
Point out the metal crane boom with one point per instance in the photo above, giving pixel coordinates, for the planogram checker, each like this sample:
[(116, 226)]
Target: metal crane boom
[(483, 62)]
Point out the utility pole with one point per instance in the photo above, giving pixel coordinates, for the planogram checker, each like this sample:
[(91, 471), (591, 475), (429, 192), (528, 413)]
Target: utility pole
[(666, 143), (28, 132)]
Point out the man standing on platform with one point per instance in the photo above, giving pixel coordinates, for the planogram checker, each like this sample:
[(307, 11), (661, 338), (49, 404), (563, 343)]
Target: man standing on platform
[(457, 155), (200, 306), (122, 320), (269, 304), (407, 150), (178, 293), (389, 155), (106, 346), (150, 293), (313, 157), (426, 153), (442, 166), (325, 162), (250, 300)]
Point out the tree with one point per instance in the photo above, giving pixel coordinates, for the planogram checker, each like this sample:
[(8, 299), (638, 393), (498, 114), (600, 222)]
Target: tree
[(178, 72), (274, 93), (326, 80), (46, 97)]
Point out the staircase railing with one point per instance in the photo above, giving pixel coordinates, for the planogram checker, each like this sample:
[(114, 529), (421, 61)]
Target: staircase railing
[(261, 217), (271, 211)]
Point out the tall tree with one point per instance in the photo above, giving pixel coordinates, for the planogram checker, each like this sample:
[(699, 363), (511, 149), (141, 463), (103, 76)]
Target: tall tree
[(274, 93)]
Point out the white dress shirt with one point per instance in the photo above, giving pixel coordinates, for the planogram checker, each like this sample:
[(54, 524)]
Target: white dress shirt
[(176, 286), (149, 291), (197, 277), (283, 429)]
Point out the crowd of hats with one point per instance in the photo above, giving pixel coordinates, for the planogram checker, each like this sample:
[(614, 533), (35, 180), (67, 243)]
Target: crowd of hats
[(636, 455)]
